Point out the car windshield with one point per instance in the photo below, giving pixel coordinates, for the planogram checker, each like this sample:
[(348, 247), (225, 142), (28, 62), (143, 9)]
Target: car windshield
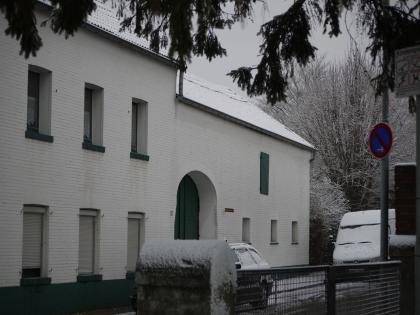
[(359, 234), (257, 257), (244, 257)]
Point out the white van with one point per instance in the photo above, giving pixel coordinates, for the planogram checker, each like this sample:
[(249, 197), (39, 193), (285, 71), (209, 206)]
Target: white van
[(359, 235)]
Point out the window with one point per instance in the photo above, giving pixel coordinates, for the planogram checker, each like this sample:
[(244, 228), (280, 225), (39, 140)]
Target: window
[(273, 238), (295, 232), (87, 241), (246, 230), (139, 129), (87, 135), (38, 115), (93, 118), (135, 238), (32, 118), (34, 242), (264, 174)]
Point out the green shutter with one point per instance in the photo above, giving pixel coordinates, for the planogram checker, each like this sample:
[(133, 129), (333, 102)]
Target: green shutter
[(264, 166)]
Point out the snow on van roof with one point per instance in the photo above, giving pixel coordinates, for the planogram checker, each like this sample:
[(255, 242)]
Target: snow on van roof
[(364, 217), (226, 101)]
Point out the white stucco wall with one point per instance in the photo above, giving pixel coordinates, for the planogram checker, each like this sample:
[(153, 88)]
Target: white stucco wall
[(64, 177)]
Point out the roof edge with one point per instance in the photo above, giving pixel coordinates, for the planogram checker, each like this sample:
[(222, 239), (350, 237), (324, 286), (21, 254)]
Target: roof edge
[(190, 102), (120, 41)]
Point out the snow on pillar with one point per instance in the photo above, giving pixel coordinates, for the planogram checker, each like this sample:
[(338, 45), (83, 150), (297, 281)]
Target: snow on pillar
[(186, 277)]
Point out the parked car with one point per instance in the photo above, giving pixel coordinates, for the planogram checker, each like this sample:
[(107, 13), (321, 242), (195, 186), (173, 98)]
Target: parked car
[(358, 237), (252, 288)]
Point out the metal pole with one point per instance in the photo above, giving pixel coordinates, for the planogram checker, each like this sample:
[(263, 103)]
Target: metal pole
[(331, 292), (385, 169), (417, 251), (384, 188)]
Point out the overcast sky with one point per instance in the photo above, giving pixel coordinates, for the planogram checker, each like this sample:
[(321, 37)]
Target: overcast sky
[(242, 44)]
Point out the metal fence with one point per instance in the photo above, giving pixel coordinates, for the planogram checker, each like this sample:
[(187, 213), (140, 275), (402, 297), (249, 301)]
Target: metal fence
[(371, 288)]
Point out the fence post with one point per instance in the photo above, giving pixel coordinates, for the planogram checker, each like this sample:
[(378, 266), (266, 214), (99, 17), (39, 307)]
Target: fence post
[(330, 287)]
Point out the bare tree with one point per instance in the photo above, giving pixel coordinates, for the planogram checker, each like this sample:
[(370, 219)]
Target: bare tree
[(335, 107)]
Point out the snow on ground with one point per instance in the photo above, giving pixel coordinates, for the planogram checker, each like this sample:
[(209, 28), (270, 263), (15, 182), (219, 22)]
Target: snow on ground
[(402, 241), (224, 100)]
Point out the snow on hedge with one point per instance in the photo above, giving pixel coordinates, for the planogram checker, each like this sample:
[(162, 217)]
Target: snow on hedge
[(192, 258), (192, 255), (402, 241)]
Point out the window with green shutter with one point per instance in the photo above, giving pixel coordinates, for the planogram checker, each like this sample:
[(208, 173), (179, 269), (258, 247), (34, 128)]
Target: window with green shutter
[(264, 172)]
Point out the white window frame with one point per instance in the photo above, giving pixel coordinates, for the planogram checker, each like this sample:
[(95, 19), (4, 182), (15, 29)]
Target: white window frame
[(97, 114), (139, 126), (95, 214), (139, 217), (43, 211), (246, 230), (44, 100), (295, 232), (274, 232)]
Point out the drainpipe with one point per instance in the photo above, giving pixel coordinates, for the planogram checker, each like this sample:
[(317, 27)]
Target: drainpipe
[(181, 83)]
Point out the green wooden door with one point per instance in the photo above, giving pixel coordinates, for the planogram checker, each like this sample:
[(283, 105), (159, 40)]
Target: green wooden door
[(187, 207)]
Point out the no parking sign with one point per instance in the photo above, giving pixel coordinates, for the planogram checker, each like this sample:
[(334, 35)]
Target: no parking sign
[(380, 140)]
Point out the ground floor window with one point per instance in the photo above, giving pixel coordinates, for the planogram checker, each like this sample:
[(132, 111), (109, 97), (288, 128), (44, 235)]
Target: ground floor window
[(273, 227), (246, 230), (87, 240), (135, 237), (33, 239), (295, 238)]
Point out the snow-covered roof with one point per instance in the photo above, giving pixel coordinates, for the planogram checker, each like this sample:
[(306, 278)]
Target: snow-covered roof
[(105, 19), (222, 100), (364, 217), (218, 98)]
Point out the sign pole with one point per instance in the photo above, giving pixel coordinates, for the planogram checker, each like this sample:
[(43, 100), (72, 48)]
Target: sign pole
[(417, 249), (385, 168), (384, 187)]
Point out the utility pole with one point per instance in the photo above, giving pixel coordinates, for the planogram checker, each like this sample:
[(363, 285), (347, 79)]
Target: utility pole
[(384, 166), (417, 250)]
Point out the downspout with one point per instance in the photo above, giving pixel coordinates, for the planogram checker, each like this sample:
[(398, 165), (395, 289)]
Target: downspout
[(181, 83)]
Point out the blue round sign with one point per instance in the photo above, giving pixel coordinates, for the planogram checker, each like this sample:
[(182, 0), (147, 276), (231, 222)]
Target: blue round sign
[(380, 140)]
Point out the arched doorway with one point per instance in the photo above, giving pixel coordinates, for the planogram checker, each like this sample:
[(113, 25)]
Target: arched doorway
[(196, 206), (187, 209)]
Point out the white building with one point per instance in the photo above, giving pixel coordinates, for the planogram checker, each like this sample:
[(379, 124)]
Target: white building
[(80, 185)]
